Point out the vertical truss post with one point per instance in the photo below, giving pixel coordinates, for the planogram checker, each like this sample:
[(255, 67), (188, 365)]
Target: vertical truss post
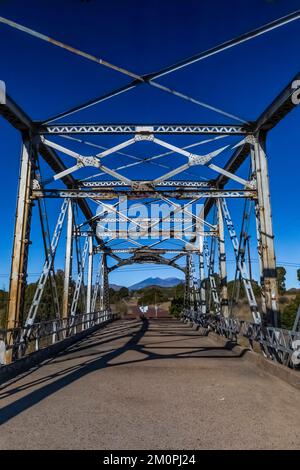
[(222, 263), (47, 246), (81, 257), (89, 276), (104, 288), (265, 232), (241, 265), (212, 282), (96, 287), (186, 303), (68, 260), (202, 279), (48, 266), (21, 241)]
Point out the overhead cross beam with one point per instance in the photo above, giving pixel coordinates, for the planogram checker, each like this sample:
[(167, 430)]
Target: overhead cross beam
[(149, 79), (197, 129)]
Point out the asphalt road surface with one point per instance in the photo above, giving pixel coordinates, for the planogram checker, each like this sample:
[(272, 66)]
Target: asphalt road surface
[(151, 385)]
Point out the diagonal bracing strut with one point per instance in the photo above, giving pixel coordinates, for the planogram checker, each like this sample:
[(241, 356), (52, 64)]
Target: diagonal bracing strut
[(241, 265), (46, 270)]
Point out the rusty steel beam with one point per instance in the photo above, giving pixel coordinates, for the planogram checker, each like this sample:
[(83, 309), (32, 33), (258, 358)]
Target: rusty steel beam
[(265, 232), (20, 243)]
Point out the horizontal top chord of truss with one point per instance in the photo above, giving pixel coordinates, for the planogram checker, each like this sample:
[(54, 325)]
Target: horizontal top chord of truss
[(142, 193), (176, 184), (64, 129), (161, 251)]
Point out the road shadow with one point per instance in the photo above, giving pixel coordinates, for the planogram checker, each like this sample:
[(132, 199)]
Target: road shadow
[(68, 375)]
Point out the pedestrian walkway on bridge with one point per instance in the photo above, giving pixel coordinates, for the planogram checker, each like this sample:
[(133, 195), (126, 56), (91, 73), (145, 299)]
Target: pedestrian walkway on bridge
[(156, 384)]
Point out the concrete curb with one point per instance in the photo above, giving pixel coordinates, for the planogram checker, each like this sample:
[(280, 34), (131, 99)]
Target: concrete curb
[(292, 377), (12, 370)]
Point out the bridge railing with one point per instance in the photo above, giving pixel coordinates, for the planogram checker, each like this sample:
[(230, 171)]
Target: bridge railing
[(21, 341), (278, 344)]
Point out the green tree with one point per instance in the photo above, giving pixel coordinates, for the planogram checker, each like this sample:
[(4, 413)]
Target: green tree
[(240, 285), (298, 275), (118, 295), (3, 307), (123, 293), (289, 313), (153, 295), (46, 307), (176, 306), (281, 272)]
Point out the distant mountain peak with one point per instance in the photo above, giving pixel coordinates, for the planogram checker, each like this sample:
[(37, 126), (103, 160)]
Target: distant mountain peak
[(156, 281)]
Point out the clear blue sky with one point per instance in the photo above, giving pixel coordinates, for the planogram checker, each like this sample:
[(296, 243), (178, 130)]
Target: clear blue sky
[(144, 36)]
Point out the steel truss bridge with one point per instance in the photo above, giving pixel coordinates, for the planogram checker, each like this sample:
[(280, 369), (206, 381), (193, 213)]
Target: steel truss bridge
[(90, 243)]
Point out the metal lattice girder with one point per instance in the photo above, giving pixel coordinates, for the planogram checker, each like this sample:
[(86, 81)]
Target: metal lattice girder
[(276, 343), (140, 257), (145, 250), (243, 244), (151, 160), (193, 159), (47, 268), (194, 293), (212, 281), (142, 194), (96, 286), (241, 264), (65, 129), (161, 184), (47, 246), (79, 279)]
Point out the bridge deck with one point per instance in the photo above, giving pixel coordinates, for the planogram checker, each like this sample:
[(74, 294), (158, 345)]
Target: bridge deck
[(158, 385)]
